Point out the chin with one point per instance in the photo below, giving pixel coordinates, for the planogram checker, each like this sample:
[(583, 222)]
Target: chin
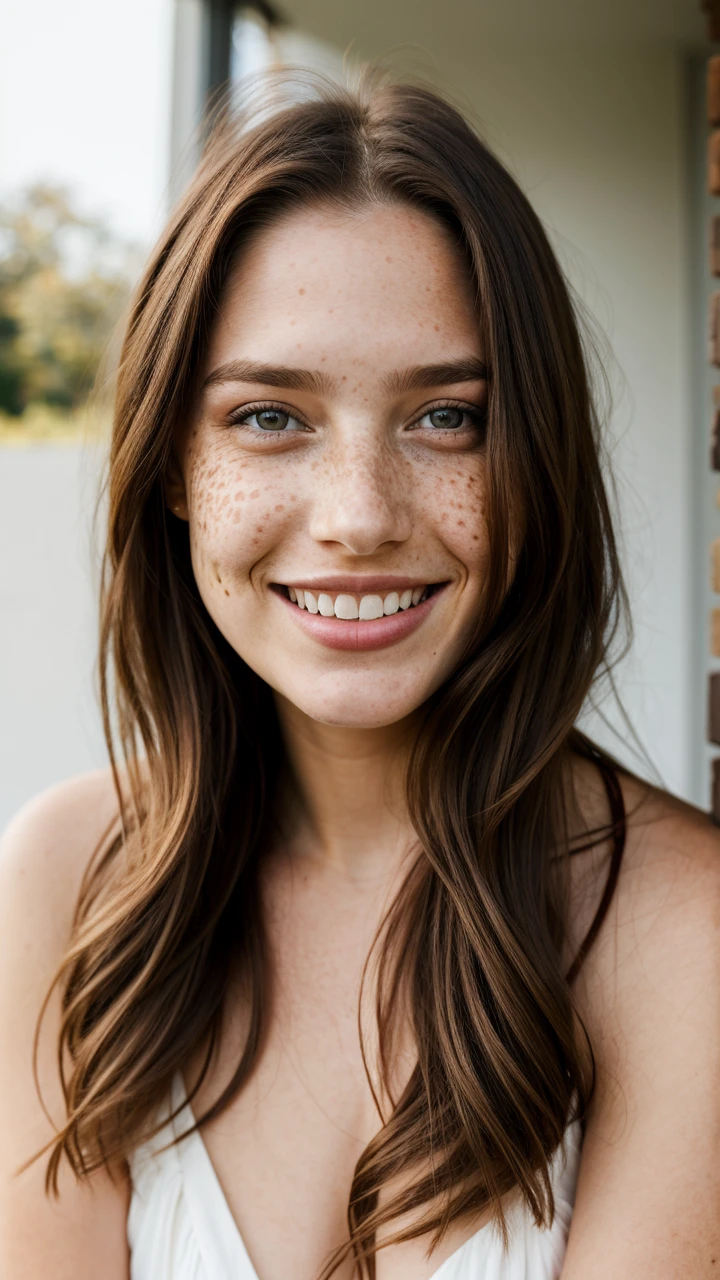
[(354, 717), (358, 702)]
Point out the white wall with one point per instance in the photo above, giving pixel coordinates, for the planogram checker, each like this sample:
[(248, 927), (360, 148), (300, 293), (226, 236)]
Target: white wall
[(49, 722)]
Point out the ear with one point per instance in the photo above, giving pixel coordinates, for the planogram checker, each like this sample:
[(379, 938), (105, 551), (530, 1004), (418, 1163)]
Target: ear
[(174, 487)]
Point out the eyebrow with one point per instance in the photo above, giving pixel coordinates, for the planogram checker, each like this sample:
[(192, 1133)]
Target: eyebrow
[(465, 369)]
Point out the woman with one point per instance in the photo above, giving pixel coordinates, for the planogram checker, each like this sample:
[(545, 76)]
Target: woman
[(362, 901)]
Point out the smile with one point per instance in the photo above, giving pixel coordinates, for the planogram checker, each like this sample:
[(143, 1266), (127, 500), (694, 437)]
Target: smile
[(350, 607), (359, 619)]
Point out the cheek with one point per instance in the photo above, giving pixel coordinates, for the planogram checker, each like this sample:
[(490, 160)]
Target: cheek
[(458, 504), (236, 516)]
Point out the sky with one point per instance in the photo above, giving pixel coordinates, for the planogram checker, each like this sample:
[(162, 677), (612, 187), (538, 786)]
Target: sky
[(85, 101)]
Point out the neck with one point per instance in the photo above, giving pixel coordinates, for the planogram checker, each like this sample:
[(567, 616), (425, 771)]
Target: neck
[(351, 788)]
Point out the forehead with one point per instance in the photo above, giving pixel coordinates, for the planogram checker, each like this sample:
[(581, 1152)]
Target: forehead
[(379, 286)]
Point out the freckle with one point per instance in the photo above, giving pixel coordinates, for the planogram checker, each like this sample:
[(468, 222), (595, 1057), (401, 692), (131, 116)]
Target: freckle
[(388, 259), (301, 290), (330, 310), (239, 495), (461, 524), (314, 466), (476, 537), (227, 593), (259, 528), (437, 328), (280, 507), (344, 378), (255, 493)]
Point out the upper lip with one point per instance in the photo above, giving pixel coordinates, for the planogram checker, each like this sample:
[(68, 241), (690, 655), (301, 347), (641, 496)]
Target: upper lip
[(356, 585)]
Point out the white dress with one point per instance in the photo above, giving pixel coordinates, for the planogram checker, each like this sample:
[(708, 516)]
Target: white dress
[(180, 1226)]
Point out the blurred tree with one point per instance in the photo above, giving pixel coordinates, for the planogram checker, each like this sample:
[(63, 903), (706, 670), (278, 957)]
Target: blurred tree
[(64, 284)]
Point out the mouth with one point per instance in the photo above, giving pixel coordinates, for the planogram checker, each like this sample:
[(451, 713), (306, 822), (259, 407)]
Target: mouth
[(355, 607), (342, 616)]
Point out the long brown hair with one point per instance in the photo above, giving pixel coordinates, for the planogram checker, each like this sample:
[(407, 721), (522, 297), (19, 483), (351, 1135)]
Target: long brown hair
[(474, 938)]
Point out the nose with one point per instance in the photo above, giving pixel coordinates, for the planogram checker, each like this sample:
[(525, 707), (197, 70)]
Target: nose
[(362, 499)]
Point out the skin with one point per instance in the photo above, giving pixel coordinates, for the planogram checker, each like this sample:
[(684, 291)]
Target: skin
[(363, 490), (359, 482)]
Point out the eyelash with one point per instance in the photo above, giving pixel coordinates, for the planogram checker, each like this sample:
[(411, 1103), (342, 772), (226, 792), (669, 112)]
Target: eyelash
[(478, 417)]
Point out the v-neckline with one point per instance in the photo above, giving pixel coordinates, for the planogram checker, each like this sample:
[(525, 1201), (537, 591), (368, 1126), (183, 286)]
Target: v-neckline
[(219, 1235)]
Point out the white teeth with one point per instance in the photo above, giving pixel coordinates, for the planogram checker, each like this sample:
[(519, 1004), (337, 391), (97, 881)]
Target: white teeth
[(371, 607), (346, 607)]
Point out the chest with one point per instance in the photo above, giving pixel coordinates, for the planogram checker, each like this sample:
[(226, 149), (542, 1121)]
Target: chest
[(286, 1148)]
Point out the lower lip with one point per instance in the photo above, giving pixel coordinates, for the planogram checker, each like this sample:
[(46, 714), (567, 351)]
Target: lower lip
[(336, 633)]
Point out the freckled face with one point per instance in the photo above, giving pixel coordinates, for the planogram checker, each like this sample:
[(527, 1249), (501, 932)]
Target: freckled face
[(336, 450)]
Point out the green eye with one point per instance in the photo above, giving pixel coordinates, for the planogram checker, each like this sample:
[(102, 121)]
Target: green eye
[(446, 419), (271, 419)]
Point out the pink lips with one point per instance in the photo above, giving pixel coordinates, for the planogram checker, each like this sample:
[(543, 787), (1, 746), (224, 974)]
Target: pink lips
[(379, 633)]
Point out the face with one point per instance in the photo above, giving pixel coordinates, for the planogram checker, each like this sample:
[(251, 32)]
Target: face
[(332, 467)]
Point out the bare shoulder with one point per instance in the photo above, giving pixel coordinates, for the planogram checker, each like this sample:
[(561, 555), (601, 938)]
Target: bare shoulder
[(57, 831), (649, 997), (666, 906), (44, 853)]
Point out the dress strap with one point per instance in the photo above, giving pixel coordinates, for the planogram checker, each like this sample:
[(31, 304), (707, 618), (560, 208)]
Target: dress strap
[(618, 828)]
